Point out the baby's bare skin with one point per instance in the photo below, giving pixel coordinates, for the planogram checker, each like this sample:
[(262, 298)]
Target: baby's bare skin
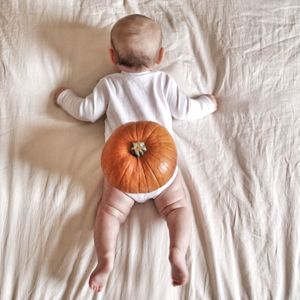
[(113, 210)]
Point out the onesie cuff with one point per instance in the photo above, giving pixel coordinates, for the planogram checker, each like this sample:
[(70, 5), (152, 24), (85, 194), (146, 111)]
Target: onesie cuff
[(62, 96)]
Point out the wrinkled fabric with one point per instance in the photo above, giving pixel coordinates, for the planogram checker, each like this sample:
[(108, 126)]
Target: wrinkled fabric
[(240, 165)]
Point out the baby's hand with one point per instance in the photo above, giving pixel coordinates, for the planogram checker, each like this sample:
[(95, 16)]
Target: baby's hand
[(57, 93), (214, 99)]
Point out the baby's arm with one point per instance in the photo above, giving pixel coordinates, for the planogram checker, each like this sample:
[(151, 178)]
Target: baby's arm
[(88, 109), (184, 108), (201, 107)]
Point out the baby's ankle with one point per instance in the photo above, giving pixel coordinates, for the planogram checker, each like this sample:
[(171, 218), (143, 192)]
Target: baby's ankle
[(106, 262)]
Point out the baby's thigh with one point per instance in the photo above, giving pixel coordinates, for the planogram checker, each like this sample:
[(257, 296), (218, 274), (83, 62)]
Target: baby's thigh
[(115, 202), (173, 197)]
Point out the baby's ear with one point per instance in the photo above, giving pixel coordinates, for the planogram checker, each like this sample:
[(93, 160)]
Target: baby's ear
[(160, 56), (113, 56)]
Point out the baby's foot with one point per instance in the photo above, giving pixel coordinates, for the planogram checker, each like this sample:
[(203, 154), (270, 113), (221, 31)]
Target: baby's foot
[(99, 276), (180, 274)]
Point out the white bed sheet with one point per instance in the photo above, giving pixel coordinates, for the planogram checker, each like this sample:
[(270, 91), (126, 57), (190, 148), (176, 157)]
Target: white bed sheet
[(240, 165)]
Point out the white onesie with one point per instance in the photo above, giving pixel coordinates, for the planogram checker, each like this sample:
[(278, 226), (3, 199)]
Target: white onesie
[(130, 97)]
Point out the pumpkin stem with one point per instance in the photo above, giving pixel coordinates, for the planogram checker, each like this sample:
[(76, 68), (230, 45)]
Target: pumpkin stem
[(138, 149)]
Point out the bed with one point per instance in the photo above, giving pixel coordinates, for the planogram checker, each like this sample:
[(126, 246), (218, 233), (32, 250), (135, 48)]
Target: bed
[(241, 165)]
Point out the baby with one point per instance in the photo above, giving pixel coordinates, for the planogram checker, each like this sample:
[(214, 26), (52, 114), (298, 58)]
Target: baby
[(138, 93)]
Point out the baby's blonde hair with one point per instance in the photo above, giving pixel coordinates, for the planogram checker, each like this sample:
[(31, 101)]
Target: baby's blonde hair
[(136, 40)]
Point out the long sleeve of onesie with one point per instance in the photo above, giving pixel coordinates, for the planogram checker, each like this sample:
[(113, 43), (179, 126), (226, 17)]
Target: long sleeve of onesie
[(126, 97), (184, 108), (88, 109)]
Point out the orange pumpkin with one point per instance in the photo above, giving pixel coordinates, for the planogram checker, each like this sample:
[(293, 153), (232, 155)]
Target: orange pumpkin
[(139, 157)]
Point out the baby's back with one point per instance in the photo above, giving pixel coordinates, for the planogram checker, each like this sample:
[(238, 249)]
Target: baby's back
[(136, 97)]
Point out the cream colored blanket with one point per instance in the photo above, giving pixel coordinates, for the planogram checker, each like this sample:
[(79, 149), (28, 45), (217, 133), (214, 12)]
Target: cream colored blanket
[(241, 165)]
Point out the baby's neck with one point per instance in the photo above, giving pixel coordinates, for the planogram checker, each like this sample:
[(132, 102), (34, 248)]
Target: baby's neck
[(133, 70)]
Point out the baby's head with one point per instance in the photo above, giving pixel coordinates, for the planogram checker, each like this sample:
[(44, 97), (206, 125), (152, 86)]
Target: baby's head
[(136, 43)]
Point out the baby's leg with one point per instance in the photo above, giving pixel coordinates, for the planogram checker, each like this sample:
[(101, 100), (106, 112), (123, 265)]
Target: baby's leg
[(172, 206), (112, 212)]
